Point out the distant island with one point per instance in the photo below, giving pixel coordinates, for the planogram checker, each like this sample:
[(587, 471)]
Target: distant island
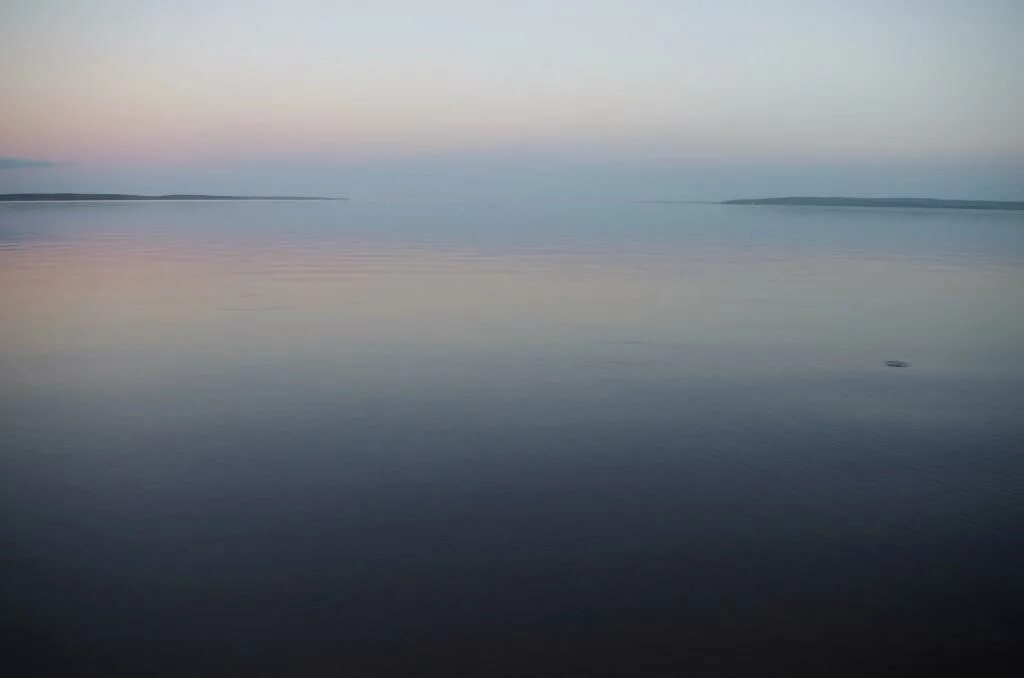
[(74, 197), (885, 202)]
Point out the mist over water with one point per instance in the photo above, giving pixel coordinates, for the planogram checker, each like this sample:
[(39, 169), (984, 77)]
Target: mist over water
[(572, 174), (515, 438)]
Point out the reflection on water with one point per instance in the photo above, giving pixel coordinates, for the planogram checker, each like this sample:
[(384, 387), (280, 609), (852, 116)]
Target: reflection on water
[(523, 440)]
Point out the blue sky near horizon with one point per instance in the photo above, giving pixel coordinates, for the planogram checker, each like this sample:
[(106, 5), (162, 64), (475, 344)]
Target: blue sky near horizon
[(458, 99)]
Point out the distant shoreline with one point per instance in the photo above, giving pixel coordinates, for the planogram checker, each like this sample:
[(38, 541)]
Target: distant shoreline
[(81, 197), (932, 203)]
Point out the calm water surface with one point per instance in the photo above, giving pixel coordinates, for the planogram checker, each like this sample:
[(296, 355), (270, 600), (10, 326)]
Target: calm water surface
[(357, 439)]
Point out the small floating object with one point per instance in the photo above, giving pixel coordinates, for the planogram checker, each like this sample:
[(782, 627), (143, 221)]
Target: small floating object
[(896, 363)]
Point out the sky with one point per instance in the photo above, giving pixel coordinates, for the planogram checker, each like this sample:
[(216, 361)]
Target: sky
[(469, 99)]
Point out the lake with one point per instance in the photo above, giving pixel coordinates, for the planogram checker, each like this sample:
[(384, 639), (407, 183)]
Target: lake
[(510, 439)]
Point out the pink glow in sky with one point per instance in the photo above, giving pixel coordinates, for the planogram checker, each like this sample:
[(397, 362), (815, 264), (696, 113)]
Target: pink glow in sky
[(202, 84)]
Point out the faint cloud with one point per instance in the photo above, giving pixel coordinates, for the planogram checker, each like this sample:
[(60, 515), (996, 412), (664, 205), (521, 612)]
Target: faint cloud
[(7, 163)]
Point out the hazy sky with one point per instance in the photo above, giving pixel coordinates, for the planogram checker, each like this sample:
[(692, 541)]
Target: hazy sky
[(453, 98)]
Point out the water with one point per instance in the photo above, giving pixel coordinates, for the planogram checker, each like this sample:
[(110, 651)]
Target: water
[(319, 439)]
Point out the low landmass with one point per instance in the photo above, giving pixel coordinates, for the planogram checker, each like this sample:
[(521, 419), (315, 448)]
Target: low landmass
[(885, 202), (75, 197)]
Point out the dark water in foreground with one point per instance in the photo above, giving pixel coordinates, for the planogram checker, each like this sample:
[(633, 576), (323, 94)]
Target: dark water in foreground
[(323, 439)]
